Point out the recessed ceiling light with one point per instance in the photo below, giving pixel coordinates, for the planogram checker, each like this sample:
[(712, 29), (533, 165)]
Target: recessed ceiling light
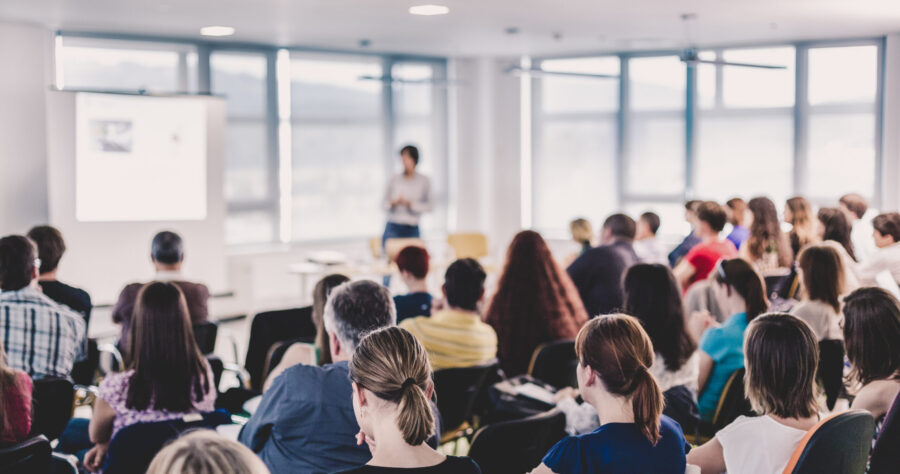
[(429, 10), (217, 31)]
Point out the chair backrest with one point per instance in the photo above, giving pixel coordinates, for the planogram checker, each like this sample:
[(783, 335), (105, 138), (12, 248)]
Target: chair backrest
[(270, 327), (54, 402), (831, 369), (517, 446), (839, 443), (468, 245), (886, 454), (29, 456), (393, 246), (733, 403), (457, 391), (205, 334), (133, 447), (375, 248), (554, 363), (277, 351)]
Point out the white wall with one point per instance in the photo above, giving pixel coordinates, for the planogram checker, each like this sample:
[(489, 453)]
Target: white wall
[(891, 150), (25, 56)]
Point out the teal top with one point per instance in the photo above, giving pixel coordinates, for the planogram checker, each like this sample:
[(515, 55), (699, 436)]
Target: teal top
[(725, 345)]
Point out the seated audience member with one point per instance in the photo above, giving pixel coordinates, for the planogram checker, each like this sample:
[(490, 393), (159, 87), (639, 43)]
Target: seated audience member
[(51, 248), (167, 254), (736, 210), (822, 275), (456, 336), (833, 229), (206, 452), (535, 303), (32, 323), (872, 338), (614, 359), (582, 233), (767, 248), (15, 404), (782, 355), (305, 421), (887, 258), (743, 292), (701, 259), (653, 297), (320, 352), (859, 217), (166, 377), (690, 215), (598, 272), (798, 213), (647, 247), (392, 384), (413, 264)]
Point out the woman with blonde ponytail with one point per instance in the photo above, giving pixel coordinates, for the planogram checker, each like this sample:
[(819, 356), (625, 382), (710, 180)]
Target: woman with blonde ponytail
[(614, 357), (391, 388)]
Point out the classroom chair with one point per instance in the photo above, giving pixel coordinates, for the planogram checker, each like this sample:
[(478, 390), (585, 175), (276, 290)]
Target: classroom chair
[(839, 443), (517, 446)]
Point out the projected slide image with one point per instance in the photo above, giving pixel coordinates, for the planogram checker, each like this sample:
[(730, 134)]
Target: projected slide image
[(139, 158), (111, 135)]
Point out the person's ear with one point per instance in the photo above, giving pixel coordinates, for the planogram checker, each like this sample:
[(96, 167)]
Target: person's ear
[(429, 391), (444, 290), (481, 296), (335, 344), (35, 272), (360, 394)]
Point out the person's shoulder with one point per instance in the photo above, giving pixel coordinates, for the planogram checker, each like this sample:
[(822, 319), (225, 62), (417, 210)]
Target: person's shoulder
[(670, 427), (740, 426)]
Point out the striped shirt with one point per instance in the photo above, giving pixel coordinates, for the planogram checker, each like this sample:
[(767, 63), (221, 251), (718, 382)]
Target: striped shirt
[(41, 337), (454, 338)]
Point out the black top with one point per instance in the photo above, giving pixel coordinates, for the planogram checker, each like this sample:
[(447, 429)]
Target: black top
[(412, 305), (75, 298), (598, 273), (452, 465)]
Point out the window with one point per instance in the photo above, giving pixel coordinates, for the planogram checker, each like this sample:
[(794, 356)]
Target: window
[(126, 65), (251, 188), (576, 130)]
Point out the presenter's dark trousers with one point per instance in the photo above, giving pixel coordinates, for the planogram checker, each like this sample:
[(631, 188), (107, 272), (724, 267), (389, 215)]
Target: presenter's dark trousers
[(397, 231)]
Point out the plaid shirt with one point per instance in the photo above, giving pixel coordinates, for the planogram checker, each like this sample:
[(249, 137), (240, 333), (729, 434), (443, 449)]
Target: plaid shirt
[(40, 337)]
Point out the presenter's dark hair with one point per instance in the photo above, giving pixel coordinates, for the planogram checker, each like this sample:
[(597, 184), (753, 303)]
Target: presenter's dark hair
[(464, 284), (620, 225), (17, 255), (50, 244), (412, 151), (167, 248)]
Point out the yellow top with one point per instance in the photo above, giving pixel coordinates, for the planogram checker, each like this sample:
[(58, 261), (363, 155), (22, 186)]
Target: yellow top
[(454, 338)]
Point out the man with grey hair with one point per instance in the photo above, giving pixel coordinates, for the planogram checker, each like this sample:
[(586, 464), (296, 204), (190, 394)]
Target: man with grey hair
[(305, 421)]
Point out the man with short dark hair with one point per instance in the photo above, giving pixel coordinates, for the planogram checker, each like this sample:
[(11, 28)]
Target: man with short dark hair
[(886, 235), (700, 261), (856, 209), (598, 272), (167, 255), (456, 336), (41, 337), (51, 248), (647, 247), (305, 421)]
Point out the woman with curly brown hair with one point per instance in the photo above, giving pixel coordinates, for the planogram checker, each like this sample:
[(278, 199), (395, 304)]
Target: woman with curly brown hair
[(767, 247), (535, 303)]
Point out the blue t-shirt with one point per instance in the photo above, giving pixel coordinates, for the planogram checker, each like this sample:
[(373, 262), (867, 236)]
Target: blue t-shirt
[(725, 345), (412, 305), (738, 235), (620, 448)]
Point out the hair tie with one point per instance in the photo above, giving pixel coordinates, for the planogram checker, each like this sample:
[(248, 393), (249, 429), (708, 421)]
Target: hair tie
[(408, 383)]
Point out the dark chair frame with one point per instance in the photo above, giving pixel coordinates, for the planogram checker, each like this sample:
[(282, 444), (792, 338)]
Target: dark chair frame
[(30, 456), (460, 402), (554, 363), (495, 452), (270, 327)]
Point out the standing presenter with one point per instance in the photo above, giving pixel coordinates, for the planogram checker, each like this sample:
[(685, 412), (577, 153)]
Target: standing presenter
[(407, 197)]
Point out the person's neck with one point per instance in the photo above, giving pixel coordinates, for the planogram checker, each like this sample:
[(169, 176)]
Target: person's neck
[(610, 408), (797, 423), (415, 285), (168, 268), (409, 174), (462, 310), (49, 276), (645, 237), (709, 237), (391, 450)]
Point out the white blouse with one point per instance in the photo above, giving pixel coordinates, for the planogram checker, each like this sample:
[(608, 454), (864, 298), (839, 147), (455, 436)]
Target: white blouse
[(757, 444)]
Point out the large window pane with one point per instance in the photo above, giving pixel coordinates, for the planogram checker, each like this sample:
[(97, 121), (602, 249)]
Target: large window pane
[(126, 66), (249, 227), (241, 78), (656, 156), (744, 156), (671, 216), (657, 83), (574, 173), (841, 155), (562, 94), (756, 87), (413, 93), (333, 88), (246, 161), (843, 75), (706, 81)]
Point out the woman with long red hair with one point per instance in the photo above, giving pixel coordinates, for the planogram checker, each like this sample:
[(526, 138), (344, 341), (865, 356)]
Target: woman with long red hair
[(535, 303)]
